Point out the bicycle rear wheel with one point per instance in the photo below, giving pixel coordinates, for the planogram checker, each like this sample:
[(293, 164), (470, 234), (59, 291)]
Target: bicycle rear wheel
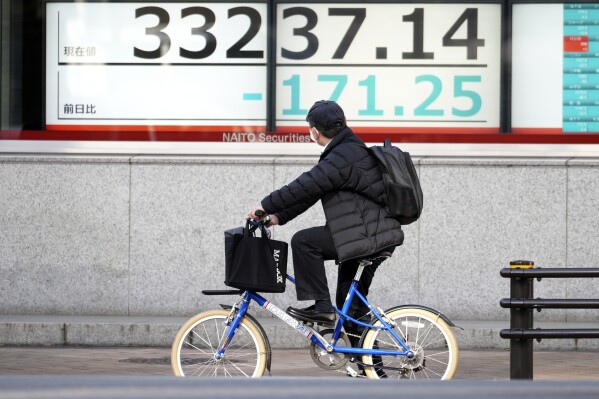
[(427, 335), (197, 342)]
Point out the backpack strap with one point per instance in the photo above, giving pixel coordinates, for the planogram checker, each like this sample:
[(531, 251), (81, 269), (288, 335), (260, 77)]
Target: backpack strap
[(386, 146)]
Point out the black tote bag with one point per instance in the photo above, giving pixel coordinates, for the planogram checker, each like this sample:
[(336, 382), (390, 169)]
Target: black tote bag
[(254, 263)]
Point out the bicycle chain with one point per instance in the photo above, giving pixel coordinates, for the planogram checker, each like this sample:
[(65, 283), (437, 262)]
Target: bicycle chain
[(357, 362)]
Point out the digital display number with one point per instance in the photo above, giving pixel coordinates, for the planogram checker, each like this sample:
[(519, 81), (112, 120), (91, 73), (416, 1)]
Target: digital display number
[(469, 18), (432, 67), (425, 108), (203, 31), (190, 33)]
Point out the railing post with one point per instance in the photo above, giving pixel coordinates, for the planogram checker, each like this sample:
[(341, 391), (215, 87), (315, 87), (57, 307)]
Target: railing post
[(521, 350)]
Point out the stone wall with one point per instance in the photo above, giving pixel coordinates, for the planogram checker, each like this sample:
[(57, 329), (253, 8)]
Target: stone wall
[(143, 235)]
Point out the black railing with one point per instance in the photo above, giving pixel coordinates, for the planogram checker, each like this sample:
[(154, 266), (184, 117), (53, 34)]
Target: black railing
[(521, 304)]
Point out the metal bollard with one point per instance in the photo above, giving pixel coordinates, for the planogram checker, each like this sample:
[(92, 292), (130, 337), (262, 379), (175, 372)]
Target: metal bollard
[(521, 350)]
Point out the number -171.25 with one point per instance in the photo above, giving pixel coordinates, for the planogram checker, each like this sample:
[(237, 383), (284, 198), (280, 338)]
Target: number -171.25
[(427, 107)]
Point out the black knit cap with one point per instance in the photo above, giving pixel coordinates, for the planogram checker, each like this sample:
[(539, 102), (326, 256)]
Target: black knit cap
[(326, 114)]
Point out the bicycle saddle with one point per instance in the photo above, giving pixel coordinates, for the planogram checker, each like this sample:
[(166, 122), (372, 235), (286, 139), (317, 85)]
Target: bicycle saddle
[(379, 256)]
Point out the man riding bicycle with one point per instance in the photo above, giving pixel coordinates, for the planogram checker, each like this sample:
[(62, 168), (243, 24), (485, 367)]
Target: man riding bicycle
[(350, 186)]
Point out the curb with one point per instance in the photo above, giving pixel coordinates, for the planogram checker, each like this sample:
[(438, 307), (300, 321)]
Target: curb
[(46, 330)]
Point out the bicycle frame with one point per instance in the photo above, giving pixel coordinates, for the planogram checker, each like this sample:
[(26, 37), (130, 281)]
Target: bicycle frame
[(311, 334)]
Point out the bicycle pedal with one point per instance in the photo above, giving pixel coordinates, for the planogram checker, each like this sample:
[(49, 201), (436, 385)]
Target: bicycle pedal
[(351, 372)]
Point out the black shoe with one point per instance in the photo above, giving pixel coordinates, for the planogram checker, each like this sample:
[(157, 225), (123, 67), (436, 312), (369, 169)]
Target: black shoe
[(312, 315)]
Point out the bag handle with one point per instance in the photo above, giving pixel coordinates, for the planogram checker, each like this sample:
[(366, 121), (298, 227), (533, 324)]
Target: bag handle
[(250, 231), (246, 231)]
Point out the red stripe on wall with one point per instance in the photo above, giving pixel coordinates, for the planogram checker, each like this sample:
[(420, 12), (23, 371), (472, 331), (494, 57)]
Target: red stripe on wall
[(518, 136)]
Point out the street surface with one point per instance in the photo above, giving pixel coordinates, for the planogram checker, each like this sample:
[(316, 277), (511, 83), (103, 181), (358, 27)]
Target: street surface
[(147, 361), (144, 373)]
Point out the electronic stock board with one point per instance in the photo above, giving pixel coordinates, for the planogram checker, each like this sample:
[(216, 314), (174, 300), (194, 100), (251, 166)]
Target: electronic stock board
[(251, 70)]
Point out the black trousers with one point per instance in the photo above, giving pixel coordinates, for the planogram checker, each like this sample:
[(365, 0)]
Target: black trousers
[(311, 247)]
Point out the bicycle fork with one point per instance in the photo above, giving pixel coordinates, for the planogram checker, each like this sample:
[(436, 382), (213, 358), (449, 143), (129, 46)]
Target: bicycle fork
[(238, 311)]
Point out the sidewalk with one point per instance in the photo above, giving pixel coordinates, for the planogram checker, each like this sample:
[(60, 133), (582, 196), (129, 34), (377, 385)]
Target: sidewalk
[(152, 361)]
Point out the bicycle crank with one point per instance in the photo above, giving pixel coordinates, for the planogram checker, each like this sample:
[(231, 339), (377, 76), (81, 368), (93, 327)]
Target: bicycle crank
[(330, 361)]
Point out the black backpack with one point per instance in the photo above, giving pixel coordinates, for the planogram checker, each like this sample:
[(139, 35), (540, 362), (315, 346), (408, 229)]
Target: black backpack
[(403, 195)]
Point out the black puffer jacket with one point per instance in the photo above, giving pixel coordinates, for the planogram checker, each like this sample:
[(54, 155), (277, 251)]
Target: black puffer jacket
[(350, 186)]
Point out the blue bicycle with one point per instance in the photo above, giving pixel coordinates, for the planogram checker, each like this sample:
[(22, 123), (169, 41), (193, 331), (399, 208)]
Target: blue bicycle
[(408, 341)]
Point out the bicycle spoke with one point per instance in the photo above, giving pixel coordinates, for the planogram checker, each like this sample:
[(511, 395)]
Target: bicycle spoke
[(413, 374), (434, 338), (205, 369), (219, 335), (426, 333), (418, 330), (242, 354), (441, 339), (199, 349), (206, 365), (430, 357), (406, 324), (235, 350), (209, 342), (432, 371), (425, 373), (240, 370)]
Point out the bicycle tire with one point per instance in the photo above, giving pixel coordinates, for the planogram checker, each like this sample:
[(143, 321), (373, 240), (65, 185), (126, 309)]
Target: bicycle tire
[(428, 336), (196, 343)]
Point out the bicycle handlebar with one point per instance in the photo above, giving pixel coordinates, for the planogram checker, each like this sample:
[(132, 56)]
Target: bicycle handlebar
[(255, 224)]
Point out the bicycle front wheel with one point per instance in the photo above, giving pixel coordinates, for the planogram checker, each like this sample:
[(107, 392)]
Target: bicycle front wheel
[(196, 344), (426, 334)]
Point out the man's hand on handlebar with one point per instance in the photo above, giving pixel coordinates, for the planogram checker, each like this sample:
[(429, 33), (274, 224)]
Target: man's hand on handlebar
[(257, 213), (274, 220)]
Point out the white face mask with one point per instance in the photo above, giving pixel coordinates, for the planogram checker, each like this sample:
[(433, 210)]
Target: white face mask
[(313, 133)]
